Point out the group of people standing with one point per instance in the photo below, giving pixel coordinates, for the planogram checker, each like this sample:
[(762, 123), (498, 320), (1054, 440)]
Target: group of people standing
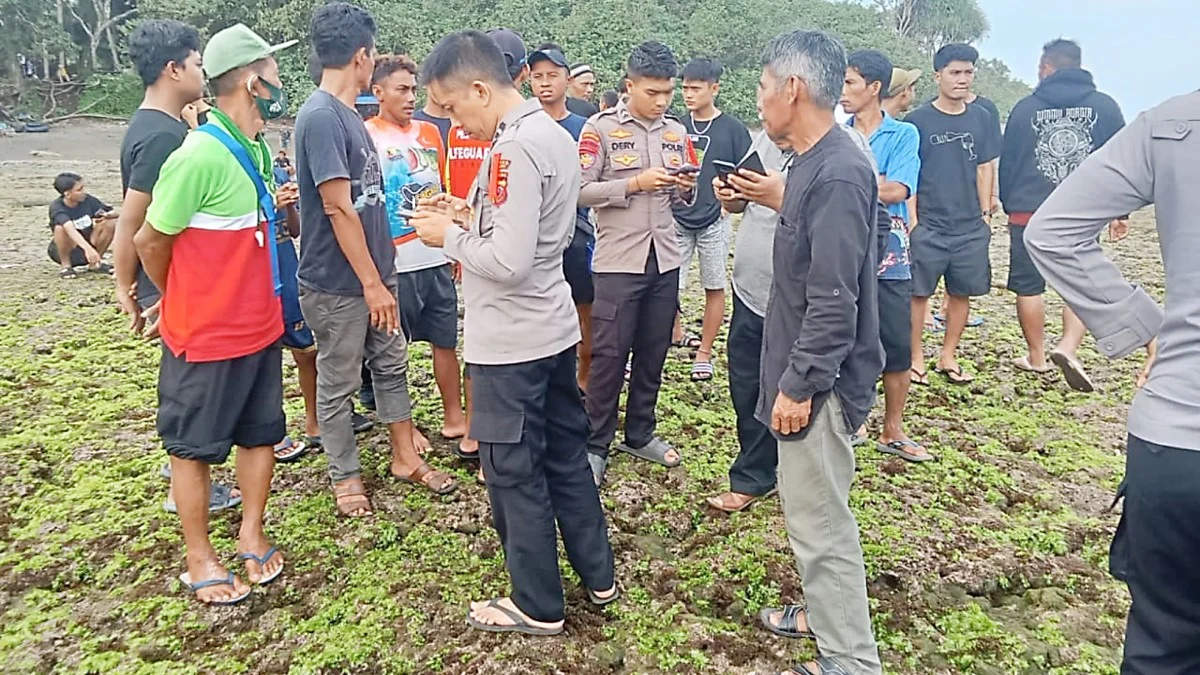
[(571, 236)]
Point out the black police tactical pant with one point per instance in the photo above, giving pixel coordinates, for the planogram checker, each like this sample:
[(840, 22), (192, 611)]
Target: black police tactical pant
[(631, 312), (1156, 551), (532, 432), (753, 472)]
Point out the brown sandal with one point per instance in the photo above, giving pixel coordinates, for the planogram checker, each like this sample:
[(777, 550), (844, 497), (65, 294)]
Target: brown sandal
[(350, 497), (427, 476), (740, 501)]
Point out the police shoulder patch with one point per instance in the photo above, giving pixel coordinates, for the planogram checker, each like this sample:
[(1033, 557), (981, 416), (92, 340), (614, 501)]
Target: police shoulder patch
[(589, 149), (498, 181)]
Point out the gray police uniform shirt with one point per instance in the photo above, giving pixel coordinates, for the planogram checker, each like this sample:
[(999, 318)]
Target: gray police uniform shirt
[(518, 303), (756, 233), (1151, 161)]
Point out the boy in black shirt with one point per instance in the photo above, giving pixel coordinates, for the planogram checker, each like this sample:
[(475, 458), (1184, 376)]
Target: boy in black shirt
[(702, 227), (82, 225), (949, 234)]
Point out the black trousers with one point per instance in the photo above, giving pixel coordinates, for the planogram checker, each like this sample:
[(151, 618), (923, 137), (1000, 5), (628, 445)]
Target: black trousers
[(631, 312), (532, 431), (1156, 551), (753, 472)]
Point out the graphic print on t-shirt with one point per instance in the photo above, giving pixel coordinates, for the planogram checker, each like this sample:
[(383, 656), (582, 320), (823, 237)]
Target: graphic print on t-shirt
[(965, 138), (411, 159), (700, 143), (370, 182), (1064, 140)]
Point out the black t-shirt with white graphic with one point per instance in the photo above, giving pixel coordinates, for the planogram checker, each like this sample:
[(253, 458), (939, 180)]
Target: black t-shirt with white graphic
[(81, 215), (952, 148), (725, 138)]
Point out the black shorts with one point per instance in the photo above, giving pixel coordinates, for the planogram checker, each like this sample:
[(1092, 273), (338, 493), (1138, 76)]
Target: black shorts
[(895, 324), (1024, 279), (78, 259), (962, 259), (429, 306), (204, 409), (577, 268)]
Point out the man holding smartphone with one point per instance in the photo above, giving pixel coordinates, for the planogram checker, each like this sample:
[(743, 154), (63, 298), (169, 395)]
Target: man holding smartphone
[(703, 228), (626, 155)]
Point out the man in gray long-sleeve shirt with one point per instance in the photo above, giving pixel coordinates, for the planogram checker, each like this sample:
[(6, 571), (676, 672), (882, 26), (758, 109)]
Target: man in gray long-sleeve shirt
[(1155, 160), (521, 332)]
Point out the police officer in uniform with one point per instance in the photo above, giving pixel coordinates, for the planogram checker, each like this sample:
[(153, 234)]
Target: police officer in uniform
[(520, 335), (637, 163)]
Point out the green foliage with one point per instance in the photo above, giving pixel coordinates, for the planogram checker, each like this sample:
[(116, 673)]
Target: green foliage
[(117, 94), (602, 33)]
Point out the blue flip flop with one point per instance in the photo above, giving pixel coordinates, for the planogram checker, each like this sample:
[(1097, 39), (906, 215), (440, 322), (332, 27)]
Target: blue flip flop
[(200, 585), (219, 498), (288, 451), (262, 563)]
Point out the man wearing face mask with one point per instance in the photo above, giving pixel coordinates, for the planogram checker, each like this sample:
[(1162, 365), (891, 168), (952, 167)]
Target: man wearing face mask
[(208, 243)]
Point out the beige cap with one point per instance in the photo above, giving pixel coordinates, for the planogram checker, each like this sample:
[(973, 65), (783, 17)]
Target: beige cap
[(902, 79)]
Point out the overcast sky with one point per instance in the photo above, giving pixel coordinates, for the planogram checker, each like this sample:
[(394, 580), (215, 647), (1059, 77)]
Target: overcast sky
[(1141, 52)]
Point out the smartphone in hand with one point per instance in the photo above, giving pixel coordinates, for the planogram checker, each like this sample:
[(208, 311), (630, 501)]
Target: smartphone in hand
[(685, 169), (724, 169), (752, 162)]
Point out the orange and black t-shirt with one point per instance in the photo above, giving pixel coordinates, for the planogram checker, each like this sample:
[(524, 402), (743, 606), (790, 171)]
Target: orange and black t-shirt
[(464, 156)]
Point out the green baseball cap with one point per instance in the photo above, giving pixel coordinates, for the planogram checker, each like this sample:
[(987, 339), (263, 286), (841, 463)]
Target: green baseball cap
[(235, 47)]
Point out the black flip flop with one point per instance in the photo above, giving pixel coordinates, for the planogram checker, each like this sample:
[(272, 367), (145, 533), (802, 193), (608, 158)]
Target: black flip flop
[(468, 456), (788, 625), (951, 374), (922, 377), (519, 624), (599, 601)]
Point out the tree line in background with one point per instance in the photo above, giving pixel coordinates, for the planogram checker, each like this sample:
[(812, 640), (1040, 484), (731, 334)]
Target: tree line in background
[(40, 40)]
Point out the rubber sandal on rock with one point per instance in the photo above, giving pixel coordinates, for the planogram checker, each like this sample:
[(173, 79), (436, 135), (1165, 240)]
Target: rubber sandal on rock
[(288, 451), (702, 371), (599, 601), (1024, 364), (1073, 372), (519, 623), (954, 376), (425, 475), (220, 497), (901, 450), (789, 621), (654, 451), (262, 563), (201, 585)]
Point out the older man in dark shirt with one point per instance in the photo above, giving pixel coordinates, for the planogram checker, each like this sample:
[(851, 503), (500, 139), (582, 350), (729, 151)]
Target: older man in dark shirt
[(821, 351)]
